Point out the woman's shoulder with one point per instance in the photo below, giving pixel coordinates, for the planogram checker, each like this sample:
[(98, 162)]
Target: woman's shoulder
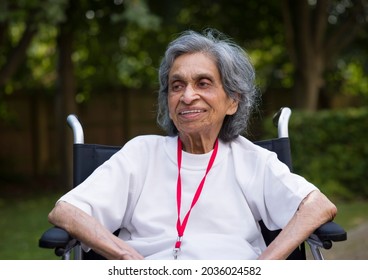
[(247, 145), (243, 148), (147, 143), (149, 138)]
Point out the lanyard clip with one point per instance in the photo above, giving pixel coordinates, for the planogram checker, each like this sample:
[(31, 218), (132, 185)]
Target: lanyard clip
[(176, 250)]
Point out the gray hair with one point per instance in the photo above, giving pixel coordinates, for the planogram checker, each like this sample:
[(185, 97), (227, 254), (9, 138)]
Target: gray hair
[(236, 71)]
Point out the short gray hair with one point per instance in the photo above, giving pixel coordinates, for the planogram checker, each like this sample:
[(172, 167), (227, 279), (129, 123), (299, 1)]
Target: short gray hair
[(236, 71)]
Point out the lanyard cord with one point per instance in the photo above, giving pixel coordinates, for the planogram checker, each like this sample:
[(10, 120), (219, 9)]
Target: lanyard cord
[(180, 226)]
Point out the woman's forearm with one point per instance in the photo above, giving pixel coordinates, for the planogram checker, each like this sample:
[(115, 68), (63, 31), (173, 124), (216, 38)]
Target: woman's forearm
[(313, 211), (90, 232)]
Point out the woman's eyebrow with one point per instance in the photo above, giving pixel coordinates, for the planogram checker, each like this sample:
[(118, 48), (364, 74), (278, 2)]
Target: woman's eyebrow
[(195, 77), (175, 77), (203, 76)]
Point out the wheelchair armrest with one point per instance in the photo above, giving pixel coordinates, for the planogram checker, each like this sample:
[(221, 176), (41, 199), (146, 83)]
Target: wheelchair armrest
[(54, 238), (58, 239), (328, 233)]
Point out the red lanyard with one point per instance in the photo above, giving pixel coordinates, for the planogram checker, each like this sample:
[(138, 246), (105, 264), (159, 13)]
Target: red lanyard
[(180, 226)]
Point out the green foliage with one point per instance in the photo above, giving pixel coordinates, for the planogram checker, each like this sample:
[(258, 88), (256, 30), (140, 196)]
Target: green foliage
[(119, 43), (51, 11), (113, 46), (354, 79), (38, 71), (138, 13), (330, 149)]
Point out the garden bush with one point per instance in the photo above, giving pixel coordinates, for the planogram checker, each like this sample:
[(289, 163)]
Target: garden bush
[(330, 149)]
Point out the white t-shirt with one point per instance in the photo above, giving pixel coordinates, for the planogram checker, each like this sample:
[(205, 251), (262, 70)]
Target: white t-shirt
[(136, 190)]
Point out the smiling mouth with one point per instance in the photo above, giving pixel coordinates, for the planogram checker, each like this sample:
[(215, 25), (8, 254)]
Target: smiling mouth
[(191, 112)]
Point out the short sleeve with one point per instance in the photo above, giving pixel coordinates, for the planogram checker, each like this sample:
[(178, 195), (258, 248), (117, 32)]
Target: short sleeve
[(105, 194), (283, 192)]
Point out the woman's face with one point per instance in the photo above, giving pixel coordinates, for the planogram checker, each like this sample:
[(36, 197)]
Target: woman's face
[(197, 101)]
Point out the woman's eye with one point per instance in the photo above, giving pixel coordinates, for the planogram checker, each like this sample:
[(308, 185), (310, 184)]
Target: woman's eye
[(203, 84), (176, 86)]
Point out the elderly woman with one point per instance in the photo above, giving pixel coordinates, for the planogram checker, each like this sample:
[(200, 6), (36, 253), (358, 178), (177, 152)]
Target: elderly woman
[(199, 192)]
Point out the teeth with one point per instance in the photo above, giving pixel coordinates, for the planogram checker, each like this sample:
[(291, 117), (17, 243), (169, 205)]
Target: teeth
[(190, 112)]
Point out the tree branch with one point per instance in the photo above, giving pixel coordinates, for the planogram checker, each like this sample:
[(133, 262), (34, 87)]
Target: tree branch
[(17, 55)]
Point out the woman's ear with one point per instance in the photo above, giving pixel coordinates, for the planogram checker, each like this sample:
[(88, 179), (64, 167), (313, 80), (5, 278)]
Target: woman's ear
[(233, 107)]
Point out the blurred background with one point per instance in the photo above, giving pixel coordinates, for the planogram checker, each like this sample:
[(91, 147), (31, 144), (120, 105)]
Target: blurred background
[(99, 60)]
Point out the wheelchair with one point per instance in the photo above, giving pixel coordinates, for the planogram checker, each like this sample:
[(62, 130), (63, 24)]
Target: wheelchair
[(87, 157)]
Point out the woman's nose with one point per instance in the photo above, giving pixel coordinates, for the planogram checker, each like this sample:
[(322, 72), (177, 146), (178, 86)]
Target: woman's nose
[(189, 95)]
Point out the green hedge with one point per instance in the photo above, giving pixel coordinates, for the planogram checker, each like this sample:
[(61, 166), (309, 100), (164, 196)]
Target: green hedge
[(330, 149)]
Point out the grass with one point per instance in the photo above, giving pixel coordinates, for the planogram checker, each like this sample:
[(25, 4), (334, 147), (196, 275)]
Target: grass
[(352, 214), (23, 220)]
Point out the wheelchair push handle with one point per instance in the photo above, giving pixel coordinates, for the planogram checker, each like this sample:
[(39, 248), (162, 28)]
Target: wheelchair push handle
[(76, 126), (281, 121)]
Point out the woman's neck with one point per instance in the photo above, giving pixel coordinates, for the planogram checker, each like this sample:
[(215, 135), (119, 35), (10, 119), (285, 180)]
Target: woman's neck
[(197, 145)]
